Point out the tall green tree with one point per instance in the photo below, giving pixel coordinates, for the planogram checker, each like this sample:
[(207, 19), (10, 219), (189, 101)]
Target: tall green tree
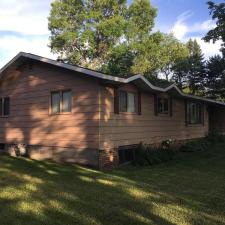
[(189, 71), (172, 50), (196, 72), (215, 78), (218, 33), (180, 71), (85, 32), (107, 35)]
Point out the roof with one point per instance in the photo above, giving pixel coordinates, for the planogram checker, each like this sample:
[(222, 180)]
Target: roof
[(138, 80)]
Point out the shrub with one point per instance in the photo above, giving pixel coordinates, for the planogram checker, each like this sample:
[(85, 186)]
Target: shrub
[(195, 145), (214, 138), (203, 143), (149, 155)]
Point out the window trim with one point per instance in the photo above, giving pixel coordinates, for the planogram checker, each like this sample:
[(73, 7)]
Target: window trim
[(169, 98), (61, 102), (135, 102), (201, 113), (168, 105), (3, 108)]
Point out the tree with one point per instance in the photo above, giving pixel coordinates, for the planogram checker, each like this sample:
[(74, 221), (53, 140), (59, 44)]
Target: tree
[(215, 79), (189, 71), (218, 33), (196, 72), (180, 70), (107, 35), (85, 32), (172, 51)]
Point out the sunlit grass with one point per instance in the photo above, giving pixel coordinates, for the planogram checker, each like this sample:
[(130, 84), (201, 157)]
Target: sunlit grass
[(189, 190)]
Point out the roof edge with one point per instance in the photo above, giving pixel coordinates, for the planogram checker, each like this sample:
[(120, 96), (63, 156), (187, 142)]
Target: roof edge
[(104, 76)]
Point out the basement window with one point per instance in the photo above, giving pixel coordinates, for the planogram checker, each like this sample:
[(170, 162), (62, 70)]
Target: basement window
[(2, 146), (126, 155)]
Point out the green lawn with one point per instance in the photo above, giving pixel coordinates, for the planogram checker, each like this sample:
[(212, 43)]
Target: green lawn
[(188, 190)]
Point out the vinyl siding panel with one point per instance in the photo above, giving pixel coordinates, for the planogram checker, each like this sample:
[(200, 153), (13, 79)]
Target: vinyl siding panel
[(127, 129), (30, 121)]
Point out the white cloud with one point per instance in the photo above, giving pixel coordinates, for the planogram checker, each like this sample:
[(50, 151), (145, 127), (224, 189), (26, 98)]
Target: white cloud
[(24, 27), (25, 16), (183, 31), (209, 49), (11, 45), (180, 29)]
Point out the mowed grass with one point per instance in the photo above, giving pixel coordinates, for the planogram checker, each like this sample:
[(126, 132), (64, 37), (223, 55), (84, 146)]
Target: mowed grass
[(188, 190)]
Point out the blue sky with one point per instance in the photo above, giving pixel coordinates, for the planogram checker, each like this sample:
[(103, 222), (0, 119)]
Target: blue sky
[(24, 25)]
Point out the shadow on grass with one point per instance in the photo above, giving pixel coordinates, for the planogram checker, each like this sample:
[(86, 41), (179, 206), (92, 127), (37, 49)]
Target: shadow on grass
[(34, 192)]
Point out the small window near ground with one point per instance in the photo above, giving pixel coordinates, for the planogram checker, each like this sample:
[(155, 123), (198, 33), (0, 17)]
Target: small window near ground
[(194, 113), (127, 102), (126, 155), (2, 146), (163, 105)]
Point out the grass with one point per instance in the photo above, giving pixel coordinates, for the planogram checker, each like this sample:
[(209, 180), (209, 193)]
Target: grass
[(188, 190)]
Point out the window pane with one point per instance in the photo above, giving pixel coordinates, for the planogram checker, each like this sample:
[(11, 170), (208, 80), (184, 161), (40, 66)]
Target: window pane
[(55, 102), (166, 105), (1, 111), (66, 104), (163, 105), (194, 113), (131, 102), (6, 106), (160, 105), (123, 101)]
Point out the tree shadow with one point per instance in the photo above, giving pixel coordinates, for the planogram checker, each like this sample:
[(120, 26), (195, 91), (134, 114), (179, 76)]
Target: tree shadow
[(34, 192)]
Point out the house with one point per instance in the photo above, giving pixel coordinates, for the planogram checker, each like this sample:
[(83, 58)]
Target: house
[(53, 110)]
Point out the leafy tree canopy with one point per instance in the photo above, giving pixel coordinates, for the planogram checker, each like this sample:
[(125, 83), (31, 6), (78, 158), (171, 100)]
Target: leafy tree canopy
[(110, 35), (189, 71), (215, 79), (218, 33)]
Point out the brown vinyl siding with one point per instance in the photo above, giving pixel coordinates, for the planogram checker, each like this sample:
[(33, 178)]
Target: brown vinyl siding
[(128, 129), (30, 121)]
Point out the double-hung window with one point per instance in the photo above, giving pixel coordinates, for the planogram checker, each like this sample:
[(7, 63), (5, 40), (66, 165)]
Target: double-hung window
[(61, 101), (194, 113), (163, 105), (127, 102)]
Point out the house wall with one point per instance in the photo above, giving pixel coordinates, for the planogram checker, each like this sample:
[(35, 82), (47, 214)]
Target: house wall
[(71, 137), (129, 129), (217, 119), (92, 133)]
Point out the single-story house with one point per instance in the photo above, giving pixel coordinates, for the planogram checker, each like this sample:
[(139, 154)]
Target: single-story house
[(54, 110)]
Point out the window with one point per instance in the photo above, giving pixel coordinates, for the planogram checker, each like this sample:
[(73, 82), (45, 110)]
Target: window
[(163, 105), (56, 102), (194, 111), (66, 101), (127, 102), (61, 101), (4, 106), (126, 155)]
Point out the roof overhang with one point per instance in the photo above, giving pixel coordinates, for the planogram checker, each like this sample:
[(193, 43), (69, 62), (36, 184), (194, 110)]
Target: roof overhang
[(139, 80)]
